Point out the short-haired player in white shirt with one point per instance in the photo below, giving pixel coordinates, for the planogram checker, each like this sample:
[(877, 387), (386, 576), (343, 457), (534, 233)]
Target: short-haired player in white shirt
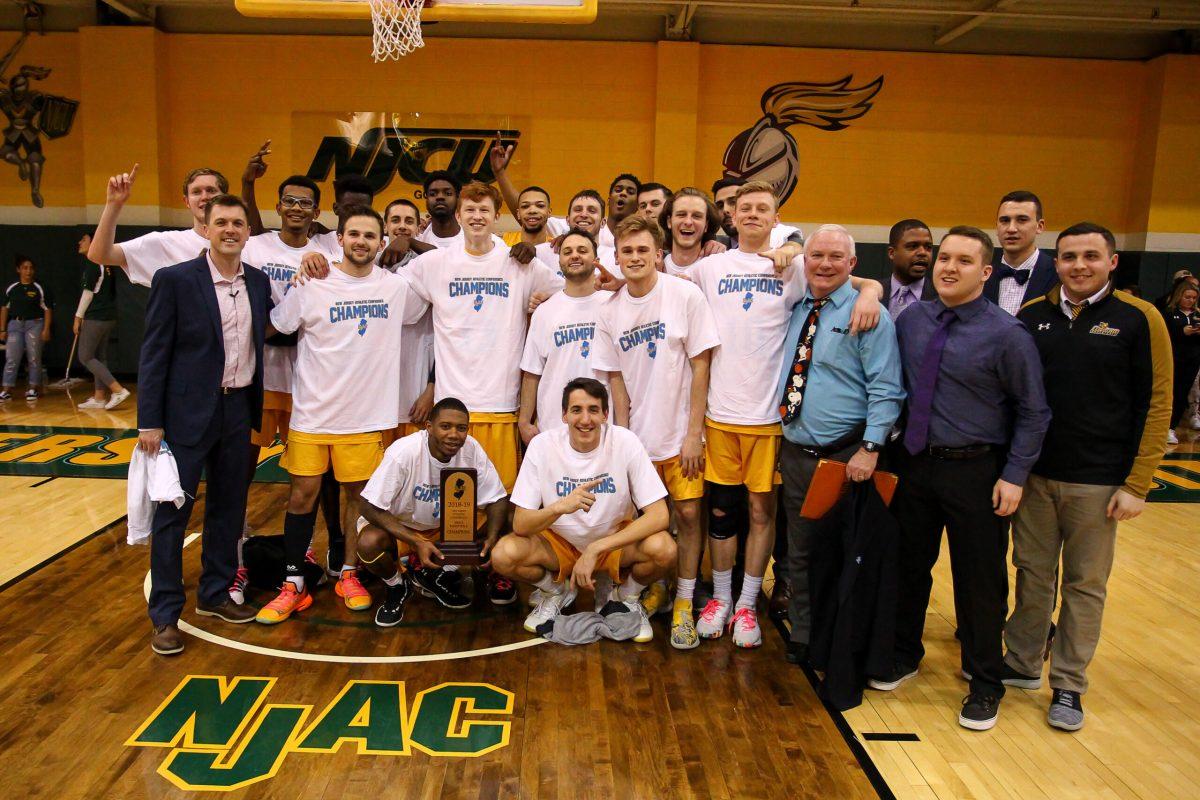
[(561, 338), (751, 291), (657, 343), (691, 222), (143, 256), (345, 392), (576, 500), (480, 297), (401, 507)]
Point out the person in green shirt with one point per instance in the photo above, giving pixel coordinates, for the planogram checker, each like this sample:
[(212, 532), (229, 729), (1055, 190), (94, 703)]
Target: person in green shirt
[(95, 318), (24, 327)]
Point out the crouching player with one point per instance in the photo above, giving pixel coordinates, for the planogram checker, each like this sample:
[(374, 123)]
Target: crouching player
[(575, 500), (401, 508)]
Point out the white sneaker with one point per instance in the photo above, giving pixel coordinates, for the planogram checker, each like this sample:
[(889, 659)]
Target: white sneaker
[(116, 399), (535, 597), (550, 607), (603, 591), (746, 632), (93, 402), (713, 617), (645, 632), (1172, 438)]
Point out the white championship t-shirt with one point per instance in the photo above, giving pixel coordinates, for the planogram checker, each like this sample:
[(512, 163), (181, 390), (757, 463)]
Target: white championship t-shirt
[(428, 237), (671, 268), (347, 377), (279, 263), (752, 306), (149, 253), (649, 341), (480, 313), (562, 335), (552, 469), (416, 353), (407, 483)]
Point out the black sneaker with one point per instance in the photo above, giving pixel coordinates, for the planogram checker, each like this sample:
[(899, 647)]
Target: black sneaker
[(439, 584), (391, 610), (1066, 710), (979, 711), (899, 674), (501, 590), (1010, 677)]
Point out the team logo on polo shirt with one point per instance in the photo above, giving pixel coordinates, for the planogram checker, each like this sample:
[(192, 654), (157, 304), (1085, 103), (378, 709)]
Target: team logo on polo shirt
[(1103, 330)]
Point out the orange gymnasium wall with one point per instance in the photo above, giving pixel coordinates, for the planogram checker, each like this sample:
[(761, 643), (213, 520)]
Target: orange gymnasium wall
[(946, 136)]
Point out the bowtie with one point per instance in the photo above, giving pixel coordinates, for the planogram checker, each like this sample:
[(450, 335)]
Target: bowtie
[(1021, 276)]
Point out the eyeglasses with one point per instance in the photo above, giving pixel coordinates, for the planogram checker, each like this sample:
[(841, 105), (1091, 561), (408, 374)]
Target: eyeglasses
[(287, 201)]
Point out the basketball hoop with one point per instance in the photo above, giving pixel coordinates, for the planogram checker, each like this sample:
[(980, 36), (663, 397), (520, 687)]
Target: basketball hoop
[(397, 26)]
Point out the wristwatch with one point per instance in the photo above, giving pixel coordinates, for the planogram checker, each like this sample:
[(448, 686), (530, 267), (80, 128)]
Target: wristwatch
[(871, 447)]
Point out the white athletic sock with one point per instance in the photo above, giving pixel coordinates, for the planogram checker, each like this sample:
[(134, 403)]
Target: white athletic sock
[(297, 581), (723, 585), (394, 580), (547, 584), (750, 588), (630, 590), (685, 588)]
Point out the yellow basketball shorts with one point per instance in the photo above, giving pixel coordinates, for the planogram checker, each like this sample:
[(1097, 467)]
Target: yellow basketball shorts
[(742, 455), (354, 455), (276, 416), (679, 487), (567, 555), (399, 432), (497, 435)]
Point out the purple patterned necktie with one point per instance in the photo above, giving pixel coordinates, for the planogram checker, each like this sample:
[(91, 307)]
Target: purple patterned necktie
[(916, 433)]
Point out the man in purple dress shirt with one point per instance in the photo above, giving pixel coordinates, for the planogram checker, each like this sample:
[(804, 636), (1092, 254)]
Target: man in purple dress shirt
[(977, 414)]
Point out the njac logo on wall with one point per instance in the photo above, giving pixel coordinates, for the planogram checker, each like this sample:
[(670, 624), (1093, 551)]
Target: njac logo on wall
[(767, 152), (374, 146)]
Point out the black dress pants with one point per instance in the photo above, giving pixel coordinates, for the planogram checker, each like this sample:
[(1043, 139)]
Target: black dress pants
[(955, 494)]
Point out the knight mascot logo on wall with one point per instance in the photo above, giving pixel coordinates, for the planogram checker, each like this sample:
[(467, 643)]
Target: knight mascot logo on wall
[(30, 116), (767, 152)]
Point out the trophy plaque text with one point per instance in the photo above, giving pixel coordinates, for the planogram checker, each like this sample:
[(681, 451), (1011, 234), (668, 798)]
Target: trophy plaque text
[(458, 512)]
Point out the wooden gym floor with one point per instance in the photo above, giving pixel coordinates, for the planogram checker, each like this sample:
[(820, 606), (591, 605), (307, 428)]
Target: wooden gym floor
[(88, 711)]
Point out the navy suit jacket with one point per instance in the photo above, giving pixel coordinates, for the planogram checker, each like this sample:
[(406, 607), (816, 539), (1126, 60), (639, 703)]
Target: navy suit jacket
[(183, 350), (1043, 278)]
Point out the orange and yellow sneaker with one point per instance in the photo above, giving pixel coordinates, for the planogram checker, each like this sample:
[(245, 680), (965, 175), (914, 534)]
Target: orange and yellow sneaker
[(288, 601), (349, 589)]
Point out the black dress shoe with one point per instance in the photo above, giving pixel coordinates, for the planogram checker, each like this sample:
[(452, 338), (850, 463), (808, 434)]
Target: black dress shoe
[(781, 596), (797, 653)]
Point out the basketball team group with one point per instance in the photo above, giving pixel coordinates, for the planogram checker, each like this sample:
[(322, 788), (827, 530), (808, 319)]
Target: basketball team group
[(649, 373)]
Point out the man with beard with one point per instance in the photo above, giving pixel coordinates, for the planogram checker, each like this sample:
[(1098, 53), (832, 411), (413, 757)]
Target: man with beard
[(345, 391), (691, 221), (910, 250), (532, 214), (401, 504), (561, 337)]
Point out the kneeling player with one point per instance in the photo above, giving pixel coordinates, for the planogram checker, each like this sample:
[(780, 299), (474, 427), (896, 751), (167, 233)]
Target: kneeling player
[(401, 505), (575, 498)]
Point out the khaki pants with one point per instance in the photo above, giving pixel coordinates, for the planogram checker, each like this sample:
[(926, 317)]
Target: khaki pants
[(1067, 518)]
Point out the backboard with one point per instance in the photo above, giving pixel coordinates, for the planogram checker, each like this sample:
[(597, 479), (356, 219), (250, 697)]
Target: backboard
[(532, 11)]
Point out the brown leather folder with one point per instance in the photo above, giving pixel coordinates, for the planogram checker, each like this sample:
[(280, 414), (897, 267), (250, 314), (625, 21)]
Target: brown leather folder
[(829, 483)]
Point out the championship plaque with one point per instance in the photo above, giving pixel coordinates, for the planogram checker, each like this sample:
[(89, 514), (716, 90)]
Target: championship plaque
[(458, 544)]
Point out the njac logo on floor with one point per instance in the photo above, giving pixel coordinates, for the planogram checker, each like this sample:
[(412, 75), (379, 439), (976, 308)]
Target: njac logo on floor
[(223, 735)]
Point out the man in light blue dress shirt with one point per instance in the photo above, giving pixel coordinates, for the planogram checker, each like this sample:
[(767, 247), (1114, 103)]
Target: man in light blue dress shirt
[(839, 397)]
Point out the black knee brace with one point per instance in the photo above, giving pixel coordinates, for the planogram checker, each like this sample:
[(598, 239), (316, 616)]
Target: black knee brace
[(727, 510)]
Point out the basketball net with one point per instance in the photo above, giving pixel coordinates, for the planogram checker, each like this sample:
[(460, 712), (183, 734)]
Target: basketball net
[(397, 25)]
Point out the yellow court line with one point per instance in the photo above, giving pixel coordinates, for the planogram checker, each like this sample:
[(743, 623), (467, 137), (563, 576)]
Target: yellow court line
[(330, 658)]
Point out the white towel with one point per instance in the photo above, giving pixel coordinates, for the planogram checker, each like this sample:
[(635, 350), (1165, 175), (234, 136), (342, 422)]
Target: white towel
[(152, 480)]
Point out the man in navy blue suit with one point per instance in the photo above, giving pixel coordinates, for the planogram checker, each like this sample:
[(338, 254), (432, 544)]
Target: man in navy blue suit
[(200, 393), (1022, 272)]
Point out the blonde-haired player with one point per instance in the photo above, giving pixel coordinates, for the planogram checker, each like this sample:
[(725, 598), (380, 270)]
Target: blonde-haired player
[(659, 334), (576, 498), (480, 297)]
